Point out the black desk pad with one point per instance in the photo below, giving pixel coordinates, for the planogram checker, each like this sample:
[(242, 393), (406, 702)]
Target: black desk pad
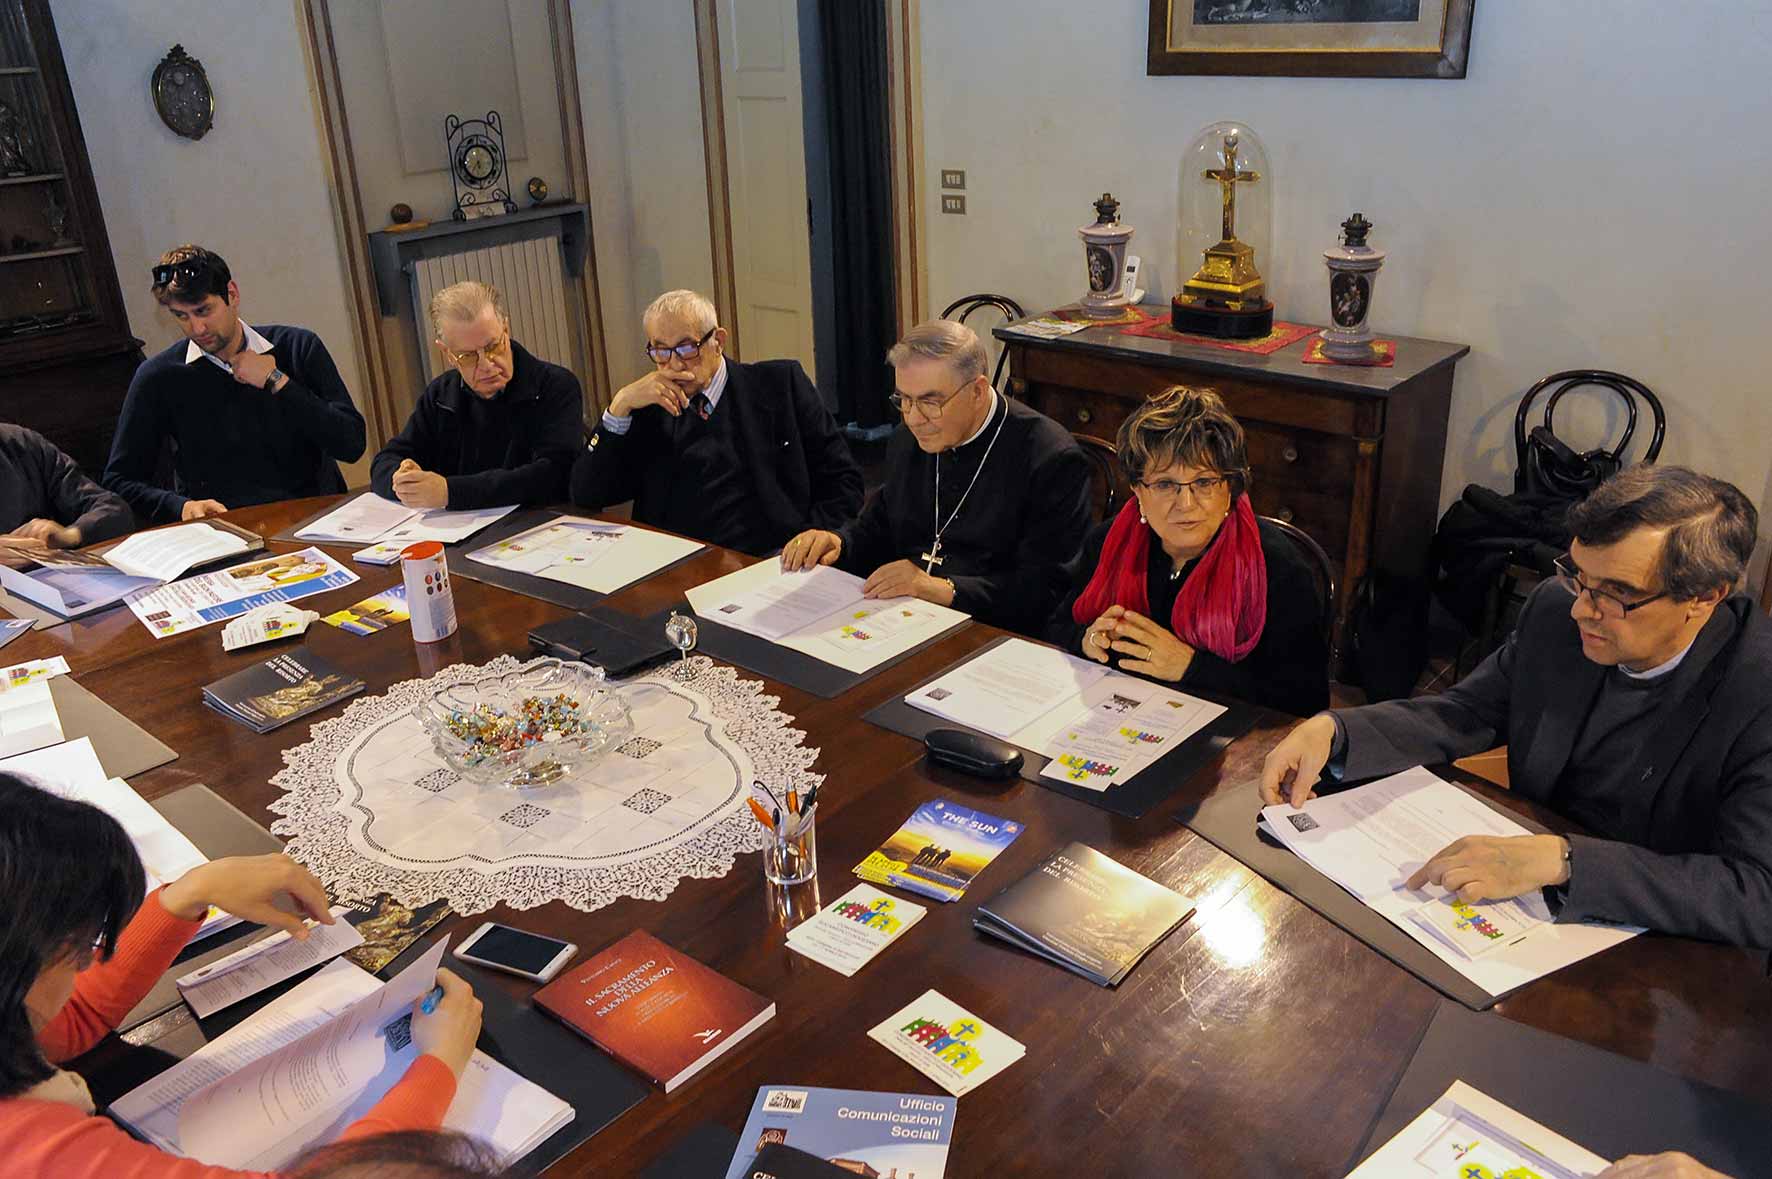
[(1132, 799), (782, 664), (1607, 1103), (558, 592), (1227, 821), (704, 1152)]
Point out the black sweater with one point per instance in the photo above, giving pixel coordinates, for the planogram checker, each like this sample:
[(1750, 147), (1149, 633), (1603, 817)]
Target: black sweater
[(1289, 668), (39, 482), (513, 448), (231, 442)]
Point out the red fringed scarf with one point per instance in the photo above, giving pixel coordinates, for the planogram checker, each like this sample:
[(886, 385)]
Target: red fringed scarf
[(1222, 606)]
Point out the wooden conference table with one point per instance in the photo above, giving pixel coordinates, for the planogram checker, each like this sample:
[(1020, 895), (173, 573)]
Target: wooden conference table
[(1258, 1039)]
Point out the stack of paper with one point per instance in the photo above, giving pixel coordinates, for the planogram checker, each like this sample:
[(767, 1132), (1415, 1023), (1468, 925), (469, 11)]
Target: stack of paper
[(821, 612), (299, 1072), (598, 557), (846, 934), (1372, 838), (1467, 1133), (1099, 727), (72, 770), (369, 517)]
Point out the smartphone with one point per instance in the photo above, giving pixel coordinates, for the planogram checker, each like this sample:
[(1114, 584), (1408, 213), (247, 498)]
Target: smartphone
[(516, 951)]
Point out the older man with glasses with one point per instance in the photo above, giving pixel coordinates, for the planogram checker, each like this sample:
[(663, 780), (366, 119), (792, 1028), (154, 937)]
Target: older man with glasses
[(985, 501), (501, 426), (1635, 698), (741, 455)]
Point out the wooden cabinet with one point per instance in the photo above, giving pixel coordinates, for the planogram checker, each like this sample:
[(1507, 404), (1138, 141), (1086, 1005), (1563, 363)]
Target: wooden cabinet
[(66, 353), (1351, 455)]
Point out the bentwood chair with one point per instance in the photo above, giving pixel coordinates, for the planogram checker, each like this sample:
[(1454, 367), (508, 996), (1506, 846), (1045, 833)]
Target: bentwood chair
[(967, 305)]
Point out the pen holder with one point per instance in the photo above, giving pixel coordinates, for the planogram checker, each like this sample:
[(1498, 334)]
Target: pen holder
[(792, 858)]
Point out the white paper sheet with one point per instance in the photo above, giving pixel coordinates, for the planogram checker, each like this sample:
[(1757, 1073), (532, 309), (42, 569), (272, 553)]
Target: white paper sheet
[(450, 527), (847, 933), (590, 554), (367, 517), (1007, 688), (1372, 838), (821, 613), (165, 553), (1468, 1133), (197, 601), (28, 719), (265, 963), (32, 670)]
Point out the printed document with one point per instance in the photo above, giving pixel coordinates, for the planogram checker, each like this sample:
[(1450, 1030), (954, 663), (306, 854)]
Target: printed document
[(1372, 838), (165, 553), (820, 612), (1468, 1133), (1099, 727), (214, 597), (365, 518), (589, 554), (266, 963)]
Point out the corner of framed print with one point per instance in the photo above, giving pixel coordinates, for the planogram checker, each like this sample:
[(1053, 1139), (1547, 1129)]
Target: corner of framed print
[(1311, 38)]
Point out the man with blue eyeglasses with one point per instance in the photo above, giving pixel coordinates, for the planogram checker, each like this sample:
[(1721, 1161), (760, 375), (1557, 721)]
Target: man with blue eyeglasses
[(739, 455), (1634, 698)]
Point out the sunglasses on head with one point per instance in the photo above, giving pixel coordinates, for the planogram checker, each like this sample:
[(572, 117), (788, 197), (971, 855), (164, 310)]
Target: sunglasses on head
[(180, 274)]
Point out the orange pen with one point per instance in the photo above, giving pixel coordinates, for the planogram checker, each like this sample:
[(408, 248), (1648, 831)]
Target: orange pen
[(793, 801), (762, 815)]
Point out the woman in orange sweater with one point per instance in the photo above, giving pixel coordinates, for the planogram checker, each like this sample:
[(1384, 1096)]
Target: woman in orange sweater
[(79, 947)]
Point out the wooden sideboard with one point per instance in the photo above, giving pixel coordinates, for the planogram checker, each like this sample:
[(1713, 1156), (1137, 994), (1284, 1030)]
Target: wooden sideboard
[(1351, 455)]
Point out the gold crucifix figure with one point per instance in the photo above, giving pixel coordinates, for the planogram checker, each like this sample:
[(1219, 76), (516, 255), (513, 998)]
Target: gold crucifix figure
[(1227, 278), (1228, 178)]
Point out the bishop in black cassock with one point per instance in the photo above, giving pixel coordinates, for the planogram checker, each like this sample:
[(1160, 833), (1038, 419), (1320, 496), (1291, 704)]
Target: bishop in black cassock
[(1012, 510)]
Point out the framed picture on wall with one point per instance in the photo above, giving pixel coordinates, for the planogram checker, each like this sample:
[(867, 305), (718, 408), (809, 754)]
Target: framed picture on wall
[(1311, 38)]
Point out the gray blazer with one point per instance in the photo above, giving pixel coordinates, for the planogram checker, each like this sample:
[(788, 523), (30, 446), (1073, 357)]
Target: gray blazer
[(1707, 869)]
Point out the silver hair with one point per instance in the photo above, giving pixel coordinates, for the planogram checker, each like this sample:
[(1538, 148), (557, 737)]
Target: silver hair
[(953, 344), (463, 302), (691, 308)]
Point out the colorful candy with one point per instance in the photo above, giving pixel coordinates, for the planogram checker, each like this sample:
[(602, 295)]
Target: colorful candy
[(491, 733)]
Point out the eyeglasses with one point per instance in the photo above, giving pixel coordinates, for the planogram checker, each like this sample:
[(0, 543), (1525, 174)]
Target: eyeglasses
[(928, 408), (660, 354), (473, 356), (1609, 604), (181, 274), (1197, 489)]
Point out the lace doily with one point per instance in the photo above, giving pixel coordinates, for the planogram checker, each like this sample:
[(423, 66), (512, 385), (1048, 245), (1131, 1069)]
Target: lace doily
[(369, 807)]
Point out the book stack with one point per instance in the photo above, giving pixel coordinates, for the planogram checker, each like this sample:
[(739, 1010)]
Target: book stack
[(284, 688), (655, 1010), (1085, 912)]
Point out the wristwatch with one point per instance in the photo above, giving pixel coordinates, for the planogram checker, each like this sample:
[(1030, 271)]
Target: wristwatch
[(277, 374)]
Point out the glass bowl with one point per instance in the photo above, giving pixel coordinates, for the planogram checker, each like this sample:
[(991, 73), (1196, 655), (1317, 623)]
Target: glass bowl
[(531, 727)]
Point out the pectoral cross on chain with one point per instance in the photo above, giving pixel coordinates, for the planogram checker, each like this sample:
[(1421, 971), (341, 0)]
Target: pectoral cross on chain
[(1228, 177), (933, 557)]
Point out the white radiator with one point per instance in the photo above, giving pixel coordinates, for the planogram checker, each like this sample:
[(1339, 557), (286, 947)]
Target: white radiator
[(532, 278)]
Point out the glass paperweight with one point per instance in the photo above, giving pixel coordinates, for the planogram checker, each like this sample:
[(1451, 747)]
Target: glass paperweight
[(681, 632), (535, 726), (1225, 233)]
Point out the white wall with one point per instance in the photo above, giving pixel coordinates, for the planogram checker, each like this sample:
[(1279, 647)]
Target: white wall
[(1591, 195), (253, 189), (649, 197)]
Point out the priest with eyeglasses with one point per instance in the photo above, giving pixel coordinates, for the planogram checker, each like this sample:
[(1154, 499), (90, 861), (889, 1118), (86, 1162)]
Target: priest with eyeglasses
[(985, 499), (739, 455)]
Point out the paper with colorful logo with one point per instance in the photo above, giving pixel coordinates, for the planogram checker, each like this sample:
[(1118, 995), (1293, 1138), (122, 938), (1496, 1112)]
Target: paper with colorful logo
[(938, 851), (1467, 1134), (948, 1044), (846, 934), (372, 614), (1476, 928), (215, 597), (32, 670), (1128, 724)]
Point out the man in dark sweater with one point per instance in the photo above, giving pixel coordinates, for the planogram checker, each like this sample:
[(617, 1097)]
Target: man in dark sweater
[(985, 500), (742, 455), (500, 427), (1634, 697), (251, 415), (45, 499)]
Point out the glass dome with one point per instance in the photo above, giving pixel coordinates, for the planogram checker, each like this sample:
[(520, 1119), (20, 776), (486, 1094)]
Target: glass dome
[(1227, 220)]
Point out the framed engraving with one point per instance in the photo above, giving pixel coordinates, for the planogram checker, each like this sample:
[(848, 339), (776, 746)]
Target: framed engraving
[(1311, 38)]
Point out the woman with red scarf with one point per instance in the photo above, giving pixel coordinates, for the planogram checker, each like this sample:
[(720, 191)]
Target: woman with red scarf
[(1184, 585)]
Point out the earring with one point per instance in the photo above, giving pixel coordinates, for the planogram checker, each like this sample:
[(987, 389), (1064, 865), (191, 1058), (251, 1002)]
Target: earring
[(1141, 518)]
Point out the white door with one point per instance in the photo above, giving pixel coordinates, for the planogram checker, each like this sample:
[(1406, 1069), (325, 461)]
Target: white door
[(766, 176)]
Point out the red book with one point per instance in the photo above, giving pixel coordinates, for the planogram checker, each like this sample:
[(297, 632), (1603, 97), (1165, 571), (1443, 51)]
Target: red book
[(655, 1009)]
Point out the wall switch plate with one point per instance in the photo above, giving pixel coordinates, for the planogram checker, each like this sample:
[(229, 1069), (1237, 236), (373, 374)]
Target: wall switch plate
[(953, 178), (952, 203)]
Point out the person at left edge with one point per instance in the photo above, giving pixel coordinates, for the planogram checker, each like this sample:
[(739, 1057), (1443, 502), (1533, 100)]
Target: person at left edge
[(46, 500), (500, 427), (252, 414)]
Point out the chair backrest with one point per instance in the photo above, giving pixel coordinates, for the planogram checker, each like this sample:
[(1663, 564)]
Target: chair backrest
[(966, 305), (1545, 463), (1322, 571), (1107, 488)]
